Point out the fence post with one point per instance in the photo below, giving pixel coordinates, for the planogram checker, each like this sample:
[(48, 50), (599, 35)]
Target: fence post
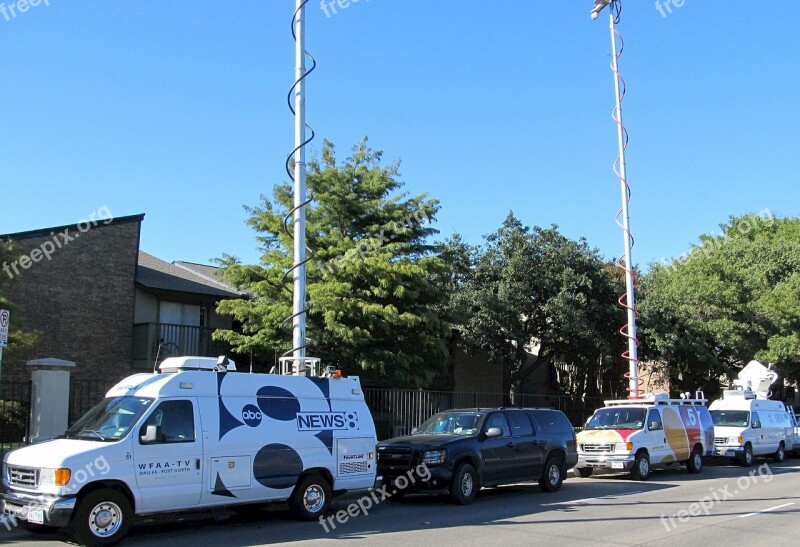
[(49, 398)]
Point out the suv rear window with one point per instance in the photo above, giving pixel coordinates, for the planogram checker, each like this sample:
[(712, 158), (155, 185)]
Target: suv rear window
[(520, 424), (551, 421)]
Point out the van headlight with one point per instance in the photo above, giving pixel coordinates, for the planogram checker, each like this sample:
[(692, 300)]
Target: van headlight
[(735, 440), (434, 456), (623, 447), (54, 477)]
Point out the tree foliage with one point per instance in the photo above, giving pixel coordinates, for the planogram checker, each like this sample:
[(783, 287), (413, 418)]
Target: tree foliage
[(734, 297), (373, 279), (536, 291)]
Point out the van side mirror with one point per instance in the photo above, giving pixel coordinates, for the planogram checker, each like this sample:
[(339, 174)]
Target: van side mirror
[(756, 425), (151, 435), (655, 426), (413, 430)]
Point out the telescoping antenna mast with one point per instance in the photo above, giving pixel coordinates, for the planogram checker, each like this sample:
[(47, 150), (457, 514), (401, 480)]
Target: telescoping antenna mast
[(298, 363), (628, 300)]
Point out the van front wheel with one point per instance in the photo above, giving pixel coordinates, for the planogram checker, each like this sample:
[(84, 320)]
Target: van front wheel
[(311, 497), (746, 459), (641, 467), (102, 518), (780, 454)]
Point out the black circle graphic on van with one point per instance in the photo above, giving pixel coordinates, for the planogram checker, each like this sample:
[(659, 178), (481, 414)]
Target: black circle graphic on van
[(278, 403), (352, 420), (251, 415), (277, 466)]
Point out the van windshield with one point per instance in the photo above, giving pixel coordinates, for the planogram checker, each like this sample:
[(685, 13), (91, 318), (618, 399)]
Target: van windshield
[(110, 420), (731, 418), (617, 418)]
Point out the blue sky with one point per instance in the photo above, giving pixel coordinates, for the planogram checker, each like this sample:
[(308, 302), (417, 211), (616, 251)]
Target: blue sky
[(178, 110)]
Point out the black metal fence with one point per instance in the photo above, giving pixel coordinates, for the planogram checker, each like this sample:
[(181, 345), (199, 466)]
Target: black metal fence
[(15, 409), (396, 411)]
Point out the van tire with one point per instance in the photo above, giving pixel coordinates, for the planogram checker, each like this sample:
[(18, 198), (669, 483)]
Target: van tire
[(641, 467), (311, 497), (465, 485), (695, 462), (584, 472), (780, 455), (102, 517), (552, 476), (746, 458)]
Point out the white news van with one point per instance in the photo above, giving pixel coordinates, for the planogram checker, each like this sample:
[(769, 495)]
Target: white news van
[(195, 435), (747, 423), (637, 434)]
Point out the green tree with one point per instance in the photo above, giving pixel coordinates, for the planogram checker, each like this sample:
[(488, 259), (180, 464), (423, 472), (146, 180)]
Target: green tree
[(372, 281), (734, 297), (536, 291)]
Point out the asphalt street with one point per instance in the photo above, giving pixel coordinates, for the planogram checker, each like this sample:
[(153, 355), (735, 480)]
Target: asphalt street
[(725, 504)]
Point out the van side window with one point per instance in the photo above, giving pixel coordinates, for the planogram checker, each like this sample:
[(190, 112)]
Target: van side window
[(173, 422), (754, 419), (498, 420), (654, 420), (520, 424)]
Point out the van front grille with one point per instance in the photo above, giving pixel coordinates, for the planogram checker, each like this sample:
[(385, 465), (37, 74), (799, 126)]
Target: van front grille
[(22, 477), (594, 448)]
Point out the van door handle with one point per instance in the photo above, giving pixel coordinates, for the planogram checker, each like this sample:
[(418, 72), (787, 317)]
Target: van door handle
[(197, 463)]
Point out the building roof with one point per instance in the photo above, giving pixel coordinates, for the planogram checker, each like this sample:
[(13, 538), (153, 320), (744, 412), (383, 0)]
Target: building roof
[(154, 273), (97, 223)]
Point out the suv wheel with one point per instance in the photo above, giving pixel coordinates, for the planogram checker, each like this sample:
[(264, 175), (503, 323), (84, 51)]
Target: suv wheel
[(553, 475), (465, 485), (641, 467)]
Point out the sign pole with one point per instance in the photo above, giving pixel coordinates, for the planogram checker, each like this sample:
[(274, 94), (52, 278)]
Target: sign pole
[(5, 320)]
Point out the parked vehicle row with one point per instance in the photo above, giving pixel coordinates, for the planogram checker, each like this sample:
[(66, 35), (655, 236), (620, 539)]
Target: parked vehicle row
[(199, 435)]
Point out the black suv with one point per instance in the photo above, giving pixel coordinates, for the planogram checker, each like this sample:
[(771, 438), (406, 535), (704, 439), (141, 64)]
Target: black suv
[(463, 450)]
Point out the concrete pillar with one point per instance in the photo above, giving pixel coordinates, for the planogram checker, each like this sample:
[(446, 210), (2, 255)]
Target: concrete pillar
[(49, 398)]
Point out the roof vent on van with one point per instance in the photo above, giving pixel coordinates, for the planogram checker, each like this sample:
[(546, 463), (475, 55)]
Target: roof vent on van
[(172, 365)]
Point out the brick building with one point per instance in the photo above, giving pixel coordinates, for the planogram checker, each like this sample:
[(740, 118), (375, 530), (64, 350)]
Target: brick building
[(97, 300)]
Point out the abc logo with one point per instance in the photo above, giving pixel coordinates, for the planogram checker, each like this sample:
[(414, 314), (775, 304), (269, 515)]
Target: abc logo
[(252, 415), (352, 420)]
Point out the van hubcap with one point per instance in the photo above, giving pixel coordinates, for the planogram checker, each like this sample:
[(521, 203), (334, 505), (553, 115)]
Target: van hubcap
[(644, 467), (314, 499), (105, 519), (698, 461)]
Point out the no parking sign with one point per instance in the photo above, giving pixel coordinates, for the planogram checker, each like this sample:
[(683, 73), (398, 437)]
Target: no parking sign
[(4, 317)]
